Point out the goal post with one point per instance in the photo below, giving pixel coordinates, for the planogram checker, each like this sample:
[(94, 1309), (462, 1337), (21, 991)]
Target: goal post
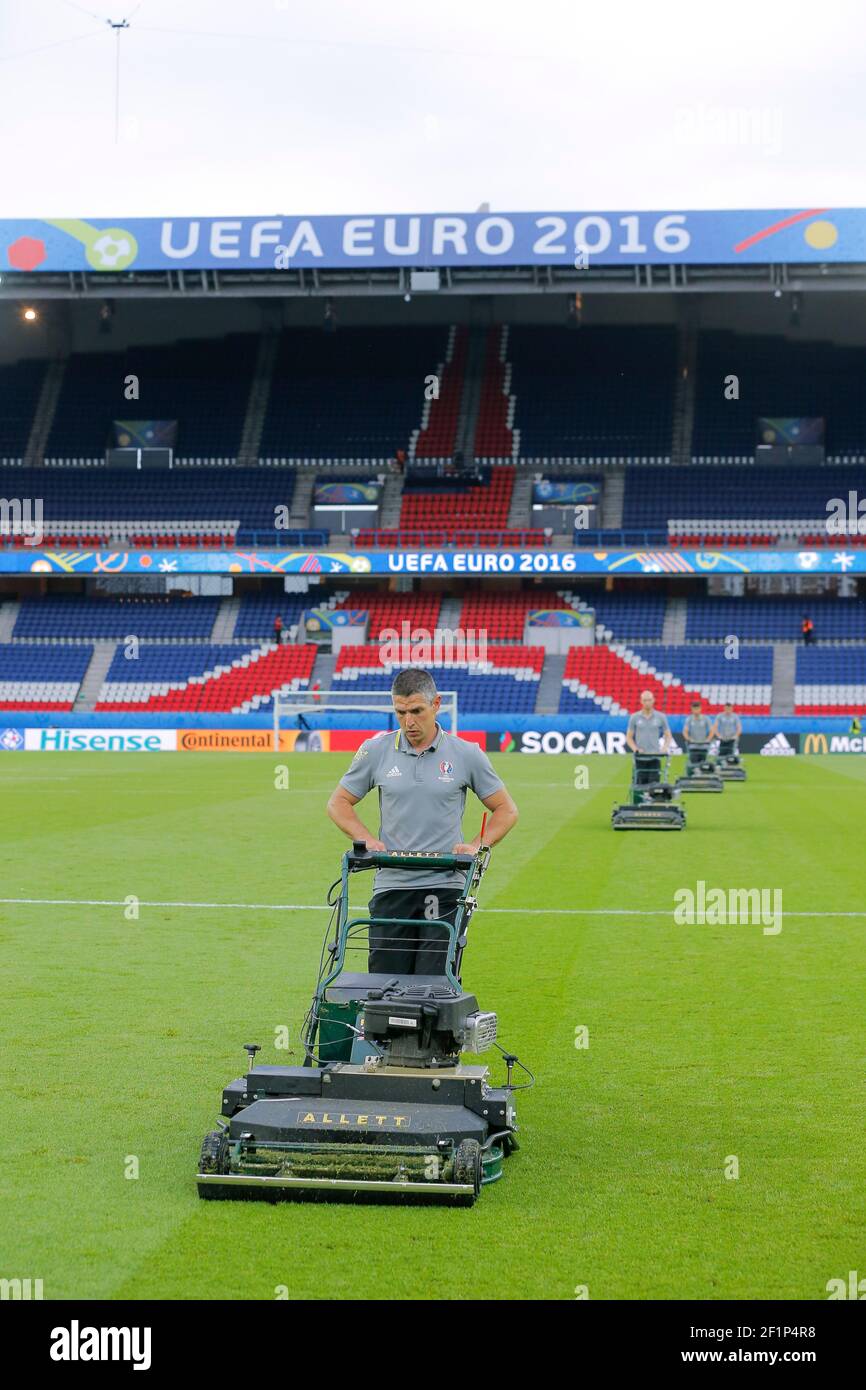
[(309, 704)]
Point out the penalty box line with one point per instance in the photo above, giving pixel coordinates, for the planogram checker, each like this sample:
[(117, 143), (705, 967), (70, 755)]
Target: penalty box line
[(320, 907)]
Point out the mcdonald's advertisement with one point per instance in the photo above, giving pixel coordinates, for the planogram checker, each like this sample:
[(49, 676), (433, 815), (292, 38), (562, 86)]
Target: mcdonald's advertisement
[(821, 743)]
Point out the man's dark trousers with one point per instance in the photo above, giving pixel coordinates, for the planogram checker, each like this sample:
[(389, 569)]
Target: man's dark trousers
[(418, 947)]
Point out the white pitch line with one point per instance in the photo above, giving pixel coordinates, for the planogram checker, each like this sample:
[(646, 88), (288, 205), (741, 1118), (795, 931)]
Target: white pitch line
[(320, 907)]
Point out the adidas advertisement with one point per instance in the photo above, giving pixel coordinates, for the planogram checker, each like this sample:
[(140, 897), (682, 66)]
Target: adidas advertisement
[(779, 746)]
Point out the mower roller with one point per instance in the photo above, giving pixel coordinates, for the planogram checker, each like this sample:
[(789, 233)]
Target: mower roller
[(701, 774), (653, 801), (727, 764), (383, 1106)]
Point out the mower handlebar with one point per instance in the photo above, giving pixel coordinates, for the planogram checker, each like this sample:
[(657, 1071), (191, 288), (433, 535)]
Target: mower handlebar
[(360, 857)]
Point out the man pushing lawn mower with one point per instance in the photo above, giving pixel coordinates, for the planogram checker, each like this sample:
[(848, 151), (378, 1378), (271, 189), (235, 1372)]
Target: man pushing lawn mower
[(700, 776), (727, 729), (652, 805), (384, 1105), (422, 775)]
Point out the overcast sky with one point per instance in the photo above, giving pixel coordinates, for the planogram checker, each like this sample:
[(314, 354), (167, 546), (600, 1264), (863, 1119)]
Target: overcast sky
[(278, 106)]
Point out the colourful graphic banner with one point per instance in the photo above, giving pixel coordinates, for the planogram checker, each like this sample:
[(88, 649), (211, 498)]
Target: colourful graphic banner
[(326, 619), (578, 239), (560, 617), (464, 562), (145, 434), (346, 494), (790, 430), (553, 491)]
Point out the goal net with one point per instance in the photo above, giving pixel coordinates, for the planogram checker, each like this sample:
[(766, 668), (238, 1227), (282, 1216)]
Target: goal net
[(303, 709)]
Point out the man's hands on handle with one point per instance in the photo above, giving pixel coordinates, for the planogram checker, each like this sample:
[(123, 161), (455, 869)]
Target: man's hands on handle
[(341, 809)]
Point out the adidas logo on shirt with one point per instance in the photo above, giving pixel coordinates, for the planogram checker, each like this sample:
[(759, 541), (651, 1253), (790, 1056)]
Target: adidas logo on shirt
[(777, 747), (395, 772)]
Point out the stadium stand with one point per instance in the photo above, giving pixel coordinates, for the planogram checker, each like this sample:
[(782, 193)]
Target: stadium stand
[(358, 392), (439, 417), (507, 680), (830, 681), (169, 618), (20, 384), (495, 436), (36, 677), (88, 506), (775, 619), (612, 679), (453, 511), (244, 684), (204, 384), (777, 376), (755, 496), (389, 610), (257, 612), (595, 393)]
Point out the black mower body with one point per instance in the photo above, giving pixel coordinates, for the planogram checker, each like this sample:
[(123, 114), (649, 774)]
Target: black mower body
[(384, 1104)]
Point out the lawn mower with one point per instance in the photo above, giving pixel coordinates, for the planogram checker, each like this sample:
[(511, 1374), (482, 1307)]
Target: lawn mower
[(383, 1105), (701, 774), (653, 801), (727, 764)]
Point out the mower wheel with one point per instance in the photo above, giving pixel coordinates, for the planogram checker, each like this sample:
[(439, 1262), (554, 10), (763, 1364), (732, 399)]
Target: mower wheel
[(467, 1165), (214, 1153)]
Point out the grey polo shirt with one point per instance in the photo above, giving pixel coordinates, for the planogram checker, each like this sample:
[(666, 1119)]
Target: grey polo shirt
[(646, 732), (697, 728), (421, 798), (728, 725)]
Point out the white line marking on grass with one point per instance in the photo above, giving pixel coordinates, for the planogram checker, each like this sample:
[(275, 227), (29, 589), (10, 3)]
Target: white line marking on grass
[(321, 907)]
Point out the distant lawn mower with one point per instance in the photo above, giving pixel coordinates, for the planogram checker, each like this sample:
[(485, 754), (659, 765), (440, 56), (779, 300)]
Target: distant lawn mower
[(653, 803), (701, 774), (727, 764), (383, 1106)]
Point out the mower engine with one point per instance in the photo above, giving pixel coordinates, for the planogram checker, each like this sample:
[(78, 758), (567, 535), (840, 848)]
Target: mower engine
[(415, 1027)]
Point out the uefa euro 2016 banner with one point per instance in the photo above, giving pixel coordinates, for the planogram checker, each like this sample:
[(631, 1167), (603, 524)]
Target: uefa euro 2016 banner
[(828, 560), (578, 239)]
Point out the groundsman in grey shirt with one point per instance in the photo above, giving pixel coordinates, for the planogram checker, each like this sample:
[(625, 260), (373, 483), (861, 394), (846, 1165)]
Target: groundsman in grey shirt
[(698, 727), (728, 726), (421, 776), (647, 727)]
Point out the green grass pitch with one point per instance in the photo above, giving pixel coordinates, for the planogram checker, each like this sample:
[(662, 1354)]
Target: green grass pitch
[(705, 1042)]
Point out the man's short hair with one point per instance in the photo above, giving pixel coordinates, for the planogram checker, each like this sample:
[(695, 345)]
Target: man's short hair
[(696, 704), (415, 681)]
